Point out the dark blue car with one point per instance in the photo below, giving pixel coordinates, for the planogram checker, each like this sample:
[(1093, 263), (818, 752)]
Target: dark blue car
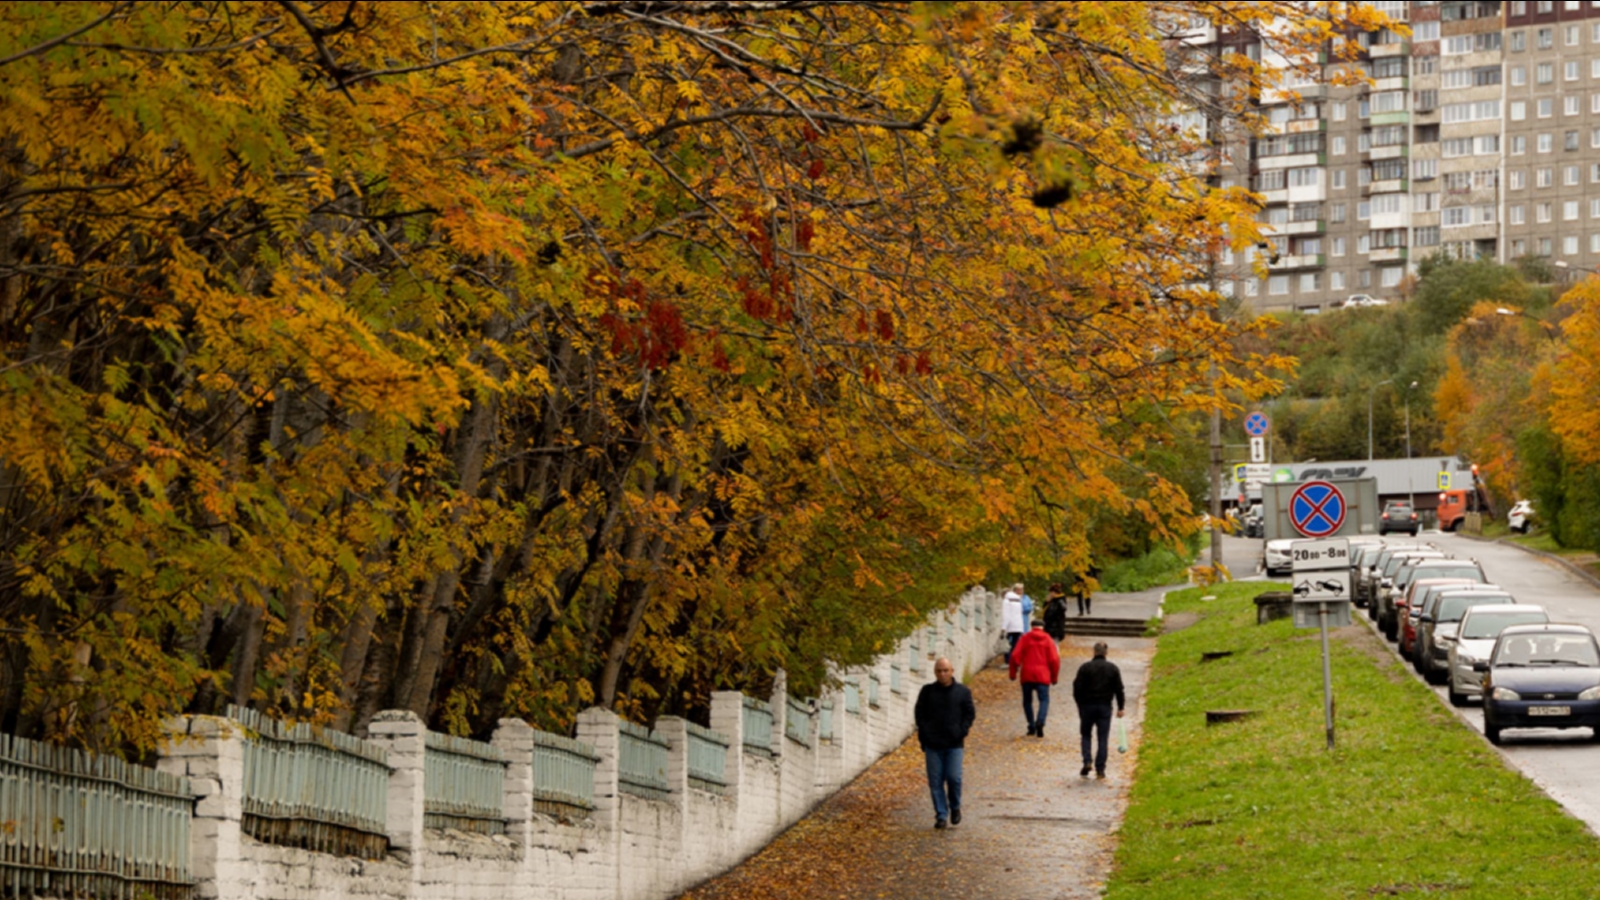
[(1541, 676)]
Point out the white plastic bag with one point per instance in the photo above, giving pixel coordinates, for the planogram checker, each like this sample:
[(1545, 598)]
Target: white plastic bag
[(1122, 735)]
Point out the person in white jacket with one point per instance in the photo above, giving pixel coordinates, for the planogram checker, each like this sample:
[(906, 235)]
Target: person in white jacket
[(1013, 618)]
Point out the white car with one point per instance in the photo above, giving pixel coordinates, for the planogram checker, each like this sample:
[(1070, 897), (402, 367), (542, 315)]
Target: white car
[(1521, 516), (1475, 637), (1278, 559)]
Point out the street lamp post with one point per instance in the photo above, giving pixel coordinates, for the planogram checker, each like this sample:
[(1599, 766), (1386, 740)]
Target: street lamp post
[(1370, 395), (1548, 329), (1410, 485)]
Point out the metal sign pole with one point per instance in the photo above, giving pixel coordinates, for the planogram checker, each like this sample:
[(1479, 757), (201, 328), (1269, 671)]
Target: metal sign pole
[(1327, 674)]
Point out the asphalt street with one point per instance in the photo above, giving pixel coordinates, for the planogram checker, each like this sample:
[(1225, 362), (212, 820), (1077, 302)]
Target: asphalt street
[(1562, 763)]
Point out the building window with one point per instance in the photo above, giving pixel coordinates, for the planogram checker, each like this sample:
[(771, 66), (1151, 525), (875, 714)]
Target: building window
[(1517, 179), (1594, 98), (1336, 279), (1547, 107), (1569, 175), (1363, 244), (1337, 179), (1519, 247), (1336, 212), (1308, 176), (1453, 147), (1488, 145), (1569, 71), (1544, 73), (1594, 33), (1573, 34), (1426, 202), (1337, 246), (1338, 145), (1544, 39), (1270, 180), (1392, 275), (1569, 104), (1425, 31), (1338, 110), (1541, 212), (1517, 215), (1364, 278), (1569, 141), (1594, 242), (1519, 41), (1277, 285), (1363, 211), (1544, 246), (1427, 236), (1544, 177), (1424, 65), (1519, 110), (1485, 214), (1456, 216), (1569, 245), (1519, 144), (1594, 208), (1424, 169), (1569, 211), (1546, 142), (1252, 287), (1309, 282), (1594, 138)]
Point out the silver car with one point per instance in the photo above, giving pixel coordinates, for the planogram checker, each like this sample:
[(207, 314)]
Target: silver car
[(1475, 639), (1384, 586)]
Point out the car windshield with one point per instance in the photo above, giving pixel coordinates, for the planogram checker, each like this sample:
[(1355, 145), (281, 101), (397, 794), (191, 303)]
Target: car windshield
[(1491, 624), (1400, 508), (1393, 565), (1451, 609), (1549, 649)]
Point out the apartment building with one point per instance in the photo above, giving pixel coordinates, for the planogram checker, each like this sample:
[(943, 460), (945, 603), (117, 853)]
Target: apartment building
[(1476, 135)]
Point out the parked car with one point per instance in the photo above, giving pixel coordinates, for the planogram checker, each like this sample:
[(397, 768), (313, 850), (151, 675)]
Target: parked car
[(1384, 586), (1541, 676), (1441, 615), (1399, 515), (1362, 549), (1412, 570), (1410, 607), (1276, 558), (1370, 576), (1364, 300), (1480, 626), (1520, 518)]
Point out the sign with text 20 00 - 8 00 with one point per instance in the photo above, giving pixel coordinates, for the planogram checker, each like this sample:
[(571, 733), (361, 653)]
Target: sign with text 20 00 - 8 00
[(1317, 509)]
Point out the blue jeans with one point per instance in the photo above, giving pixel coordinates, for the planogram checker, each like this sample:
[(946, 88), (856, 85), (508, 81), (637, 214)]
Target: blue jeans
[(1095, 717), (1029, 688), (1013, 637), (944, 774)]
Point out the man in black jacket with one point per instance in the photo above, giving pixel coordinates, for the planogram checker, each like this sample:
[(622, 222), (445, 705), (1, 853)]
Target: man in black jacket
[(944, 714), (1098, 682)]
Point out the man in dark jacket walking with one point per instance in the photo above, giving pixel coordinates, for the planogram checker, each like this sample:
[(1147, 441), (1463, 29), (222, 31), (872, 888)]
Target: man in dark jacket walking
[(1098, 682), (944, 715)]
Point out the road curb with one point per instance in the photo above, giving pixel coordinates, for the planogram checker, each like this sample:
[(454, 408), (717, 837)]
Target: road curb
[(1577, 570)]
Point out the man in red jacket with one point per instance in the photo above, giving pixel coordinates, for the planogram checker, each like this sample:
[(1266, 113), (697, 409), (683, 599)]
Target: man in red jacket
[(1037, 658)]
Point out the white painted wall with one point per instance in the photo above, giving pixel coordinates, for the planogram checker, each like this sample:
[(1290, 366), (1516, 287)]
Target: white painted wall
[(629, 848)]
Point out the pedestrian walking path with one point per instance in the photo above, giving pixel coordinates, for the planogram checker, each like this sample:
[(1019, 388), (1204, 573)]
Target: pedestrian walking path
[(1032, 829)]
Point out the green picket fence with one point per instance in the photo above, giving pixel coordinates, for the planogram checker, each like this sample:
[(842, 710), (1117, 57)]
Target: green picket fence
[(825, 721), (314, 788), (641, 761), (708, 758), (757, 725), (852, 696), (464, 785), (76, 824), (563, 775), (797, 721)]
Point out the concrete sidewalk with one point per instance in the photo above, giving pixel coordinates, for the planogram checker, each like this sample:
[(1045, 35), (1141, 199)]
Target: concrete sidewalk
[(1032, 828)]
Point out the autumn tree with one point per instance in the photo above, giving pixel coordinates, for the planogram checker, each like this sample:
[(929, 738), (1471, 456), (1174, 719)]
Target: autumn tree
[(499, 359)]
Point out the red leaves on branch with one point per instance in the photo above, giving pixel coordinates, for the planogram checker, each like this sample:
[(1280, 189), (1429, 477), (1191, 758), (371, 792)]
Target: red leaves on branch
[(655, 338)]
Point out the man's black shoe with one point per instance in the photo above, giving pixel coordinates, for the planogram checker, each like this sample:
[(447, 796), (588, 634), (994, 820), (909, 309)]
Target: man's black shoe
[(939, 823), (1084, 772), (1030, 731), (1100, 773), (1038, 731), (955, 817)]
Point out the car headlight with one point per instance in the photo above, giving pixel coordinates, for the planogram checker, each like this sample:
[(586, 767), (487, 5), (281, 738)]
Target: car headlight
[(1501, 693), (1467, 659), (1591, 694), (1442, 641)]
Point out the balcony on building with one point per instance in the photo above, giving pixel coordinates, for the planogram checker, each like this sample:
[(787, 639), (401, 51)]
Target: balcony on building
[(1395, 48), (1386, 186), (1310, 226), (1306, 261), (1387, 254), (1394, 83)]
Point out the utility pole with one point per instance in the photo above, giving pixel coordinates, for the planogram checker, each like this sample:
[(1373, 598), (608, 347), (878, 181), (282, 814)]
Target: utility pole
[(1213, 181)]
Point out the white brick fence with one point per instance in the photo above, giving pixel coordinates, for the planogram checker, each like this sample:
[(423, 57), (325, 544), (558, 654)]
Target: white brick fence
[(637, 842)]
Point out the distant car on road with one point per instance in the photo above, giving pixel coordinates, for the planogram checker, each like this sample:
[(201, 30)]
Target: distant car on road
[(1399, 515), (1520, 518), (1541, 676), (1363, 300)]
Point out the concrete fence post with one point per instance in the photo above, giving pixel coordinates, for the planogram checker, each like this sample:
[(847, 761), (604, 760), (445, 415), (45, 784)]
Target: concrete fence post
[(209, 750), (514, 738), (597, 727), (779, 702), (402, 733)]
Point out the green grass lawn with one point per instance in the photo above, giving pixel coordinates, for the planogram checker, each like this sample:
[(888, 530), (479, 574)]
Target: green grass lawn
[(1412, 803)]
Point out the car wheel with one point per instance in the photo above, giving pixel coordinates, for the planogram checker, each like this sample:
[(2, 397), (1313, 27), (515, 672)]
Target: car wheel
[(1596, 737), (1492, 732), (1456, 697)]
